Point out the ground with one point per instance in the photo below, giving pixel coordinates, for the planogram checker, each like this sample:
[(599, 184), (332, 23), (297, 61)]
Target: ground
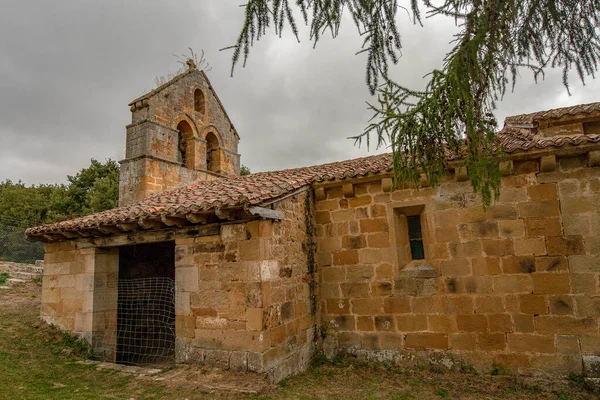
[(39, 362)]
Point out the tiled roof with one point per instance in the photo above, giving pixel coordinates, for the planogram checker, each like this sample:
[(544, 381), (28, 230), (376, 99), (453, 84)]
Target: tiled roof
[(521, 140), (555, 113), (265, 187), (226, 193)]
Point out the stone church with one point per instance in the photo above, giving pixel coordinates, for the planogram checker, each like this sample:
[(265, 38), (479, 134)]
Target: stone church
[(261, 272)]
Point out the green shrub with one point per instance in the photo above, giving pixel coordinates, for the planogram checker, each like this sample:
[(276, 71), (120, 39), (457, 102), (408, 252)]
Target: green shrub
[(467, 368), (577, 378), (499, 369), (3, 277)]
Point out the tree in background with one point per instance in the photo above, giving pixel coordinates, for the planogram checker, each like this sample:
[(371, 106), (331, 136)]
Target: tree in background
[(454, 114), (21, 207), (92, 189), (244, 170)]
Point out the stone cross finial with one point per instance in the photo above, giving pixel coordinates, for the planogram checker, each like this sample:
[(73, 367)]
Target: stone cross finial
[(191, 64)]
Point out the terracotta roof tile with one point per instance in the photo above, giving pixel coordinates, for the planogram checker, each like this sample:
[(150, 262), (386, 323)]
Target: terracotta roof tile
[(555, 113), (520, 139), (264, 187), (250, 190)]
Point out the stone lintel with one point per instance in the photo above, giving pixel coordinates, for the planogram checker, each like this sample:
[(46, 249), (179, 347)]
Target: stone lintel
[(156, 236)]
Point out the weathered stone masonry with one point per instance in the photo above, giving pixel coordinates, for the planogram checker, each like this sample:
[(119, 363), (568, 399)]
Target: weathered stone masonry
[(273, 267), (242, 295), (169, 139), (243, 299), (516, 284)]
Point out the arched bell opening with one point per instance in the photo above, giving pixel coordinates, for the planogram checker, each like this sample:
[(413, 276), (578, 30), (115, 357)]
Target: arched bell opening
[(186, 136), (212, 152)]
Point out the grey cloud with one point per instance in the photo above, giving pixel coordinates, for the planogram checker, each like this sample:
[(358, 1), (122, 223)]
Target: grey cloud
[(68, 70)]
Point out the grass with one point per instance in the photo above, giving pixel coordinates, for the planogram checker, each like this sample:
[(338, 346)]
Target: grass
[(3, 277), (38, 361)]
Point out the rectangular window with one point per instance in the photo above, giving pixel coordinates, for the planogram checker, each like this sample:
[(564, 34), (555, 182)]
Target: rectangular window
[(415, 236), (411, 228)]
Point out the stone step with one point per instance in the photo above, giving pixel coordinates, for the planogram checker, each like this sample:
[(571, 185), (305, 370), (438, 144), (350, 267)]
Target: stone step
[(23, 275), (15, 281)]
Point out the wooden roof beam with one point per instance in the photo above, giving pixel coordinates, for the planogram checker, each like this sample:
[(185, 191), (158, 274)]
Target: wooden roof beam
[(110, 230), (196, 218), (128, 227), (148, 224), (225, 214), (174, 221)]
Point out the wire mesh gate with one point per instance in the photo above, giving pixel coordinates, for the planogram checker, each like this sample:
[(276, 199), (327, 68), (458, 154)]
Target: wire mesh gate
[(146, 321)]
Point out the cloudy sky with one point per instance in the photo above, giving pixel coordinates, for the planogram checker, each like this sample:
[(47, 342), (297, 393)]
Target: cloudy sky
[(69, 68)]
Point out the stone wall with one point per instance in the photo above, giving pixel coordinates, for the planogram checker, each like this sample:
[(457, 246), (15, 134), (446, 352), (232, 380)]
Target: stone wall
[(516, 284), (177, 98), (79, 292), (22, 272), (141, 177), (244, 297), (10, 265)]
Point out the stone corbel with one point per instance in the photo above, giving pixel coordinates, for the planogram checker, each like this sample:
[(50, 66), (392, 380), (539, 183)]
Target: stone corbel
[(387, 184), (506, 168), (594, 158), (548, 163), (348, 189), (320, 194), (461, 174)]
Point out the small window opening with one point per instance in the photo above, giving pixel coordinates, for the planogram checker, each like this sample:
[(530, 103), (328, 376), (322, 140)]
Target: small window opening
[(199, 102), (415, 236)]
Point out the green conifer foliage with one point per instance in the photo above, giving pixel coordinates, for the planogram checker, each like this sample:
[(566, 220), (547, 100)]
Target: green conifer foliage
[(453, 117)]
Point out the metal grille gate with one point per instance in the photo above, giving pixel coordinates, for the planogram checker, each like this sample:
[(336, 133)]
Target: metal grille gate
[(146, 321)]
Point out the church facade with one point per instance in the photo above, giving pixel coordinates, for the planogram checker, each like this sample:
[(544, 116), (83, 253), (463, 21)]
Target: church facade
[(261, 272)]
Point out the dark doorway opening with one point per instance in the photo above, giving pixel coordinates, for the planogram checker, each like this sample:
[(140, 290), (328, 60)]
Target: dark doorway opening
[(146, 304)]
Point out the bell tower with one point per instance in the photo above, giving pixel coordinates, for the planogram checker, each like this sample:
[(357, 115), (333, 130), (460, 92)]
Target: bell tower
[(179, 134)]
